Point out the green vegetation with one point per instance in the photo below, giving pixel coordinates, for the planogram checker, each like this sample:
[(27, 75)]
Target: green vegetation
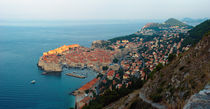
[(157, 68), (105, 67), (171, 57), (139, 104), (130, 38), (175, 22), (197, 33), (110, 96), (120, 47), (162, 78), (87, 91), (107, 98), (156, 97), (115, 60), (109, 48)]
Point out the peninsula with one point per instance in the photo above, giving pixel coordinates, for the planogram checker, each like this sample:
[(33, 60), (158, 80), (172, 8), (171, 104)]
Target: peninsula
[(76, 56)]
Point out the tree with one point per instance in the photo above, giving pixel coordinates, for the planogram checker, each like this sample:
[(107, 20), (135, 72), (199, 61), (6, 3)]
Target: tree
[(105, 67), (171, 57), (115, 60), (87, 91), (120, 47), (159, 66), (146, 70)]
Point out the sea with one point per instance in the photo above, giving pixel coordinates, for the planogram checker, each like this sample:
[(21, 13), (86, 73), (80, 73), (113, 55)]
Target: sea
[(22, 44)]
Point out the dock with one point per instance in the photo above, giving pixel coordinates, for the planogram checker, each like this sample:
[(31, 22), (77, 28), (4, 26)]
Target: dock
[(75, 75)]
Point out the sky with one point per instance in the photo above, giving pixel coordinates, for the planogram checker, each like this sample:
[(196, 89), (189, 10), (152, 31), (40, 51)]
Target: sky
[(102, 9)]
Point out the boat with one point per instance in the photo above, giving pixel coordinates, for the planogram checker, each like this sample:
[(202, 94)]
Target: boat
[(44, 73), (33, 81)]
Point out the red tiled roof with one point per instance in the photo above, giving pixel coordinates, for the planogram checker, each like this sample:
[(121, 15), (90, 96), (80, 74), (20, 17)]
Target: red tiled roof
[(86, 99), (88, 85), (104, 81), (117, 76), (111, 73)]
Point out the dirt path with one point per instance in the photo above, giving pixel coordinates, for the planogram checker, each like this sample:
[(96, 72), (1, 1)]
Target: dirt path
[(156, 105), (125, 102)]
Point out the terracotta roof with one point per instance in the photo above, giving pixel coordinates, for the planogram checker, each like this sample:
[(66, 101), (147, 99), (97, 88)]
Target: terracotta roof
[(88, 85), (111, 73), (86, 99)]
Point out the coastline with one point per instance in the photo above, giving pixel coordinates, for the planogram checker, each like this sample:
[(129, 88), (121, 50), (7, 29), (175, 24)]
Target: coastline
[(25, 65), (107, 57), (104, 56)]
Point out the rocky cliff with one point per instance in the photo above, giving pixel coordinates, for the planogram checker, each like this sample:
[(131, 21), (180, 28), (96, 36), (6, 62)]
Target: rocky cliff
[(49, 67), (199, 100)]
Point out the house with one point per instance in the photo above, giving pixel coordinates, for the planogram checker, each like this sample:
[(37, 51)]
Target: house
[(88, 85), (117, 76), (125, 76), (143, 75), (125, 41), (83, 102), (110, 74), (128, 72), (118, 86)]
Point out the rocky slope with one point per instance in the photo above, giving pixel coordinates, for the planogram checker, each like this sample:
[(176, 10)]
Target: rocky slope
[(49, 67), (199, 100), (181, 83), (186, 75)]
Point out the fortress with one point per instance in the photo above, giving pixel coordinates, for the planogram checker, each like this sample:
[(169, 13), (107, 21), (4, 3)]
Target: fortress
[(60, 50)]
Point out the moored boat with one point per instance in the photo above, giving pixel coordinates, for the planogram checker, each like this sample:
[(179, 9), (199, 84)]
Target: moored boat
[(33, 81)]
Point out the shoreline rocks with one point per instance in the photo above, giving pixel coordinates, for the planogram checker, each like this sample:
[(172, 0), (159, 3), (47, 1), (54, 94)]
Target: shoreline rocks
[(49, 67)]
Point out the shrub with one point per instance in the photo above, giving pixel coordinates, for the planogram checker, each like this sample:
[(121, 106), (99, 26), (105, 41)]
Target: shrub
[(171, 57), (156, 97), (115, 60), (105, 67), (181, 68)]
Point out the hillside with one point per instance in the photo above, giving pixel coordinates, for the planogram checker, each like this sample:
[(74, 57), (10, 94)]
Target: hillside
[(157, 66), (175, 22), (192, 21), (173, 85), (186, 75), (197, 33), (152, 30)]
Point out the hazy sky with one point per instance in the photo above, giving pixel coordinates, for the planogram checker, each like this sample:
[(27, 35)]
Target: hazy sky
[(102, 9)]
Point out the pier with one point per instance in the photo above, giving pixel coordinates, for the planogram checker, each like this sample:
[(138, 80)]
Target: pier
[(75, 75)]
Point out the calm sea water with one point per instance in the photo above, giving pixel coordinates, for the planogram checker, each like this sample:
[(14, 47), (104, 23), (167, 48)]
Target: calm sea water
[(20, 49)]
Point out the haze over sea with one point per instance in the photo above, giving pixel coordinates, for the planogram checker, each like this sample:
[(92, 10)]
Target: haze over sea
[(21, 45)]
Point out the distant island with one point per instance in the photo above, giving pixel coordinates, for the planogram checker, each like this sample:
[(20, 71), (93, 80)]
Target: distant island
[(123, 63)]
